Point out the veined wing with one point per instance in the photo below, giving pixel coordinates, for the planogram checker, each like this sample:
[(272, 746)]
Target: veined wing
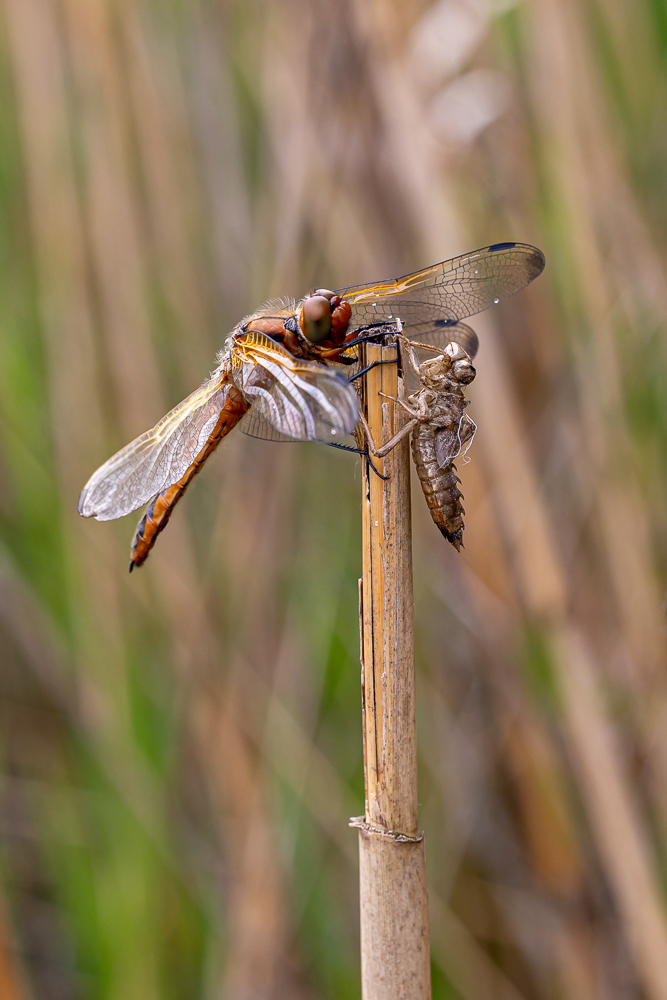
[(435, 335), (302, 400), (447, 292), (440, 336), (156, 459), (257, 426)]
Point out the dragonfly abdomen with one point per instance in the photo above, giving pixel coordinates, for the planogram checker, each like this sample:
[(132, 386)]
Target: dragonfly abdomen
[(160, 510), (440, 485)]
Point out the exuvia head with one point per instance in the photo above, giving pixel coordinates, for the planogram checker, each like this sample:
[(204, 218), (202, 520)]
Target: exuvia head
[(461, 367), (452, 366)]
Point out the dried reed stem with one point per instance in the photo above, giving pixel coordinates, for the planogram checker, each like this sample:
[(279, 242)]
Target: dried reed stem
[(395, 954)]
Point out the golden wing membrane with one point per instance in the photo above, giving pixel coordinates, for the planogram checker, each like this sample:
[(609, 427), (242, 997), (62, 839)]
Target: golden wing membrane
[(156, 459), (302, 400), (449, 291)]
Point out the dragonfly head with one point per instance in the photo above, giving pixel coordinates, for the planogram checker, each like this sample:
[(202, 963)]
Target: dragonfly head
[(316, 317), (324, 317)]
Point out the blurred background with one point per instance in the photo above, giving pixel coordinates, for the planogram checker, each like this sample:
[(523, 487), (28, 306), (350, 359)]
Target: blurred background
[(180, 750)]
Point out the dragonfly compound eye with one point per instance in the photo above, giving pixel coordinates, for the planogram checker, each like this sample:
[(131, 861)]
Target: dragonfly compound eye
[(316, 318)]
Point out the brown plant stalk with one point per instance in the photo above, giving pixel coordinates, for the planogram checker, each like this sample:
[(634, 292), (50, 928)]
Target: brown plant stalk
[(395, 954)]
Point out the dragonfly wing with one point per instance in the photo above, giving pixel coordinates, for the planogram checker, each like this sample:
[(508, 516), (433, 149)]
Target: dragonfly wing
[(441, 335), (302, 400), (449, 291), (257, 426), (156, 459)]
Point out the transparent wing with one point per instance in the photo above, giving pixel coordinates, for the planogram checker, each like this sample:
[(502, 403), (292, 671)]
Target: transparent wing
[(440, 336), (449, 291), (257, 426), (302, 400), (351, 367), (435, 335), (158, 458)]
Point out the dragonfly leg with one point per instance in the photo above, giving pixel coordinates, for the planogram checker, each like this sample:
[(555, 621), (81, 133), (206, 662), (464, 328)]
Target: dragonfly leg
[(389, 361), (369, 465), (369, 331), (358, 451)]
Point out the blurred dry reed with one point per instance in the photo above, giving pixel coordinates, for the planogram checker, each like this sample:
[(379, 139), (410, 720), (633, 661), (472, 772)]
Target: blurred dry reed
[(181, 750)]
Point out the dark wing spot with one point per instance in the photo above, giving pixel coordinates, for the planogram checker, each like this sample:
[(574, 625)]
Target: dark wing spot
[(501, 246)]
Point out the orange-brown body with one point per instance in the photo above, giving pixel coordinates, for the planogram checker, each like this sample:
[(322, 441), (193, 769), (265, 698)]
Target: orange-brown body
[(271, 326), (281, 328), (157, 516), (340, 320)]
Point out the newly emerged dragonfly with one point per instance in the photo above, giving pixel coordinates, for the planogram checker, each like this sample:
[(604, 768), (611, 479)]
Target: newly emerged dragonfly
[(279, 374)]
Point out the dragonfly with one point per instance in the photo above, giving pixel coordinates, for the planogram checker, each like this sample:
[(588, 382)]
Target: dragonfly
[(282, 376)]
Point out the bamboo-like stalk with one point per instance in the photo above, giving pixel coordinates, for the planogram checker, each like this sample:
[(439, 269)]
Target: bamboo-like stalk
[(395, 954)]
